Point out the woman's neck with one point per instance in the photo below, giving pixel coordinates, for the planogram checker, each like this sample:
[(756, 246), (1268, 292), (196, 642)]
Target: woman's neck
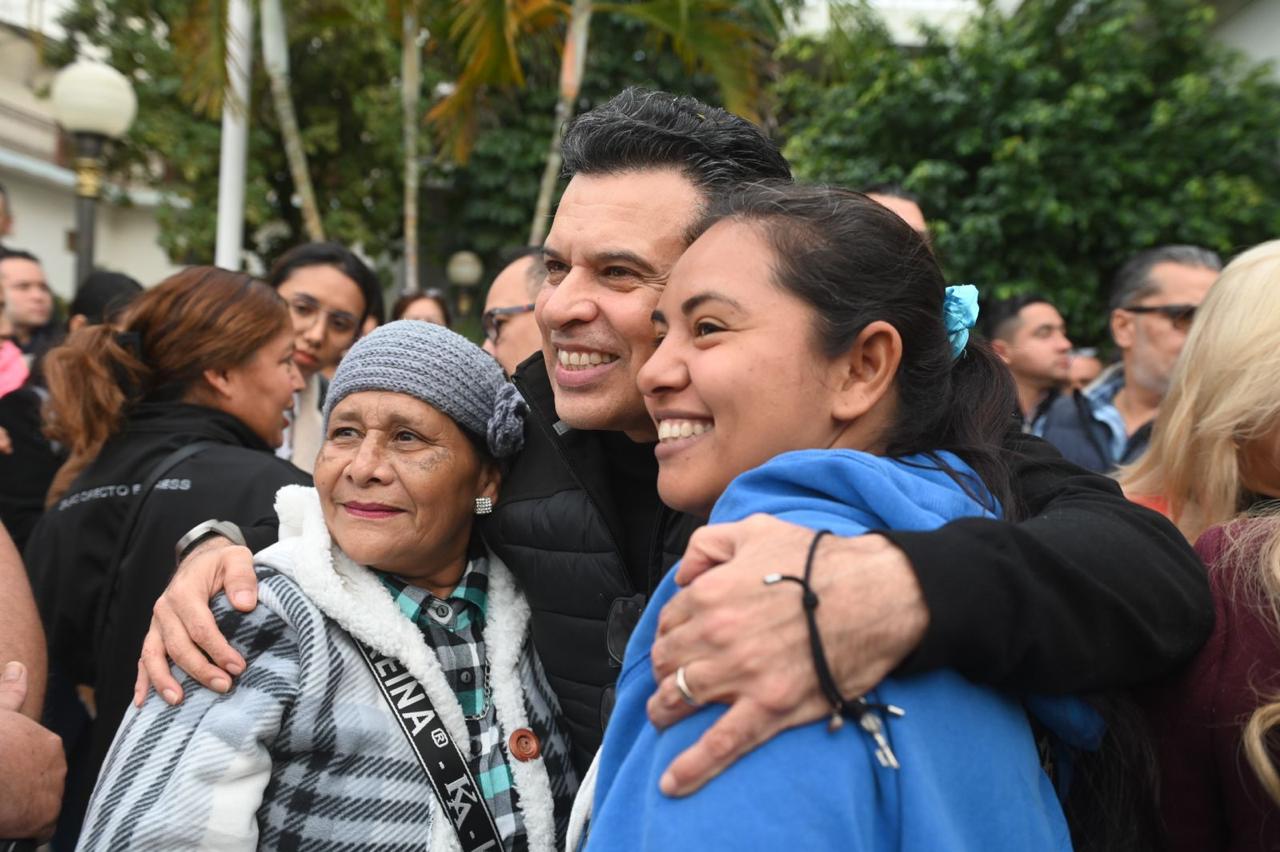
[(440, 582)]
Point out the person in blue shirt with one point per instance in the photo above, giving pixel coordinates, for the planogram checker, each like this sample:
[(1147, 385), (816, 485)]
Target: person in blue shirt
[(813, 365), (1153, 304)]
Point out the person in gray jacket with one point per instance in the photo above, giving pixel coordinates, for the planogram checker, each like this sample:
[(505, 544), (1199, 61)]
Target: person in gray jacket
[(383, 620)]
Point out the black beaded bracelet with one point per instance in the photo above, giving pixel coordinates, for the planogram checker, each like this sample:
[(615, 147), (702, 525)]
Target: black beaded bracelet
[(858, 708), (809, 598)]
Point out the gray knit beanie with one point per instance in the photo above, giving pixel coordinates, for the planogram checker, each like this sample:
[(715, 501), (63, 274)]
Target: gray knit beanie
[(443, 369)]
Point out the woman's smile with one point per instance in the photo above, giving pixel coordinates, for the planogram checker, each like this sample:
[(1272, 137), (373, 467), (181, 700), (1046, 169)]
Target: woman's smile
[(371, 511), (677, 433)]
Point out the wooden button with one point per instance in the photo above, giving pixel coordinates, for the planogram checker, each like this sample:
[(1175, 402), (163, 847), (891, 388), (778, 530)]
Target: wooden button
[(524, 745)]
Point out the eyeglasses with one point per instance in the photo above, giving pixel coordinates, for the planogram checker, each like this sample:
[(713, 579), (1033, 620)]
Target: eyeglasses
[(1180, 316), (307, 310), (489, 319)]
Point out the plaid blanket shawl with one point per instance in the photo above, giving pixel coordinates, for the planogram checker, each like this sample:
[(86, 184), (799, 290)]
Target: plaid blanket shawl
[(304, 753)]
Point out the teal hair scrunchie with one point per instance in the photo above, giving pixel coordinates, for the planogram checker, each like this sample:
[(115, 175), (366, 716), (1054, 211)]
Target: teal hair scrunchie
[(959, 313)]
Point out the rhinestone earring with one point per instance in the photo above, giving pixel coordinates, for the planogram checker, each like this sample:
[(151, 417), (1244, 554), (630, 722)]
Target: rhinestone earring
[(484, 505)]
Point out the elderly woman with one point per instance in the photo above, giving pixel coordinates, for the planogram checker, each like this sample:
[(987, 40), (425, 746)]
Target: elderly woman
[(392, 698)]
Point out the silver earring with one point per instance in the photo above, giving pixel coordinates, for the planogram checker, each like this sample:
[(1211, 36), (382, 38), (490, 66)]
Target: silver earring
[(484, 505)]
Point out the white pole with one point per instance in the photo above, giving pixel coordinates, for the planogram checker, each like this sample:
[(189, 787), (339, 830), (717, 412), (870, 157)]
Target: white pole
[(235, 135)]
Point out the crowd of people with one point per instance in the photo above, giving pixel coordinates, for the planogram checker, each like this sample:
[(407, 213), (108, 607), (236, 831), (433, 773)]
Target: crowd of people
[(743, 529)]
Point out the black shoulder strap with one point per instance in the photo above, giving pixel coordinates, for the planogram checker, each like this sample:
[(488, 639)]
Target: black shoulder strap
[(438, 755), (148, 485)]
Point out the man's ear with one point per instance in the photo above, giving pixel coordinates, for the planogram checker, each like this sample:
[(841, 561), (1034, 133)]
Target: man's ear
[(76, 323), (867, 370), (1122, 328), (1001, 348)]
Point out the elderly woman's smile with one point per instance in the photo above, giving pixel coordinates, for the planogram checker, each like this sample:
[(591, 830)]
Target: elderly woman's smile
[(398, 480), (371, 511)]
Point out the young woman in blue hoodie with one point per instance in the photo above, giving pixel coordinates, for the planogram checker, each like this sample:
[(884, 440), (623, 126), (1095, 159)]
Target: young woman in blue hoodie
[(813, 365)]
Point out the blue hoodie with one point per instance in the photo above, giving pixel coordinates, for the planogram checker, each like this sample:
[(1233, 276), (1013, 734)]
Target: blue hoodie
[(970, 776)]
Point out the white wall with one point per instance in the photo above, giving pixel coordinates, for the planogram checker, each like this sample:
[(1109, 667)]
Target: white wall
[(42, 192), (1255, 29), (127, 239)]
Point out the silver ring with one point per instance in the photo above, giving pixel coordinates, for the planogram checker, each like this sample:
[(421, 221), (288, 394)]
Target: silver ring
[(683, 686)]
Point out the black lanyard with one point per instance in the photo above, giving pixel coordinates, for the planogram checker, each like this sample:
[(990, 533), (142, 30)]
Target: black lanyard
[(438, 755)]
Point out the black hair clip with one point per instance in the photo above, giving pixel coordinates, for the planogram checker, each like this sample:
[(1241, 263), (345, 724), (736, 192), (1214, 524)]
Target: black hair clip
[(131, 342)]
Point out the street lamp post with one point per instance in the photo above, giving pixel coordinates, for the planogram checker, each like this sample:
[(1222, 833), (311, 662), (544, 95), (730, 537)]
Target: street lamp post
[(93, 102), (464, 271)]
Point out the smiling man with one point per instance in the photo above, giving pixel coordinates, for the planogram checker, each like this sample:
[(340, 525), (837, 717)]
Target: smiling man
[(1030, 605)]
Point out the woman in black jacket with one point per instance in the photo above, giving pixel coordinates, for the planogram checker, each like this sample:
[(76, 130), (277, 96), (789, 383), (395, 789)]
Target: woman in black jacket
[(170, 420)]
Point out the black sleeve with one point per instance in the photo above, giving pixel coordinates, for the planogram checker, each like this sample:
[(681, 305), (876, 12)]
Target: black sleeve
[(1090, 592), (262, 534)]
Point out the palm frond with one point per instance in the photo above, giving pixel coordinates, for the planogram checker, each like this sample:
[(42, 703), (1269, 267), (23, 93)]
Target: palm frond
[(200, 37), (725, 39), (486, 33)]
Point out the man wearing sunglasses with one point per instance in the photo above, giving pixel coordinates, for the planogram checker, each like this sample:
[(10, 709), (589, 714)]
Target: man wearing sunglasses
[(1152, 306), (510, 332)]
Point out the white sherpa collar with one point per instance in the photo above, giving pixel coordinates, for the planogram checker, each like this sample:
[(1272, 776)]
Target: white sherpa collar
[(355, 598)]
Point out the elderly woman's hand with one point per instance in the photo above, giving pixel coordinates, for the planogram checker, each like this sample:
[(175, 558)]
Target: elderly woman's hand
[(183, 627)]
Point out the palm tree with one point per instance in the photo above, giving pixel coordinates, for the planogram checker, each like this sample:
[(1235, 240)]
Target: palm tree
[(275, 57), (202, 37), (727, 39), (573, 60), (410, 86)]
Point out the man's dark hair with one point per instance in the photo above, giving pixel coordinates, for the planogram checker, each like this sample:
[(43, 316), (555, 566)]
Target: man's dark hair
[(103, 294), (19, 254), (1000, 316), (341, 259), (893, 190), (1133, 281), (644, 129)]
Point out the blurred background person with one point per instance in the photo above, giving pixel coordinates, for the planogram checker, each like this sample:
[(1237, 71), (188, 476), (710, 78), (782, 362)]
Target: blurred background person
[(13, 365), (102, 297), (1030, 337), (429, 306), (1153, 302), (510, 332), (170, 420), (1214, 467), (28, 303), (27, 471), (1085, 368), (899, 200), (331, 293)]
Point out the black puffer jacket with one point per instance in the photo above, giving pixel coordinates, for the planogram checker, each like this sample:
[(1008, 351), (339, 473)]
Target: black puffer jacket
[(70, 550), (1090, 592), (557, 528)]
